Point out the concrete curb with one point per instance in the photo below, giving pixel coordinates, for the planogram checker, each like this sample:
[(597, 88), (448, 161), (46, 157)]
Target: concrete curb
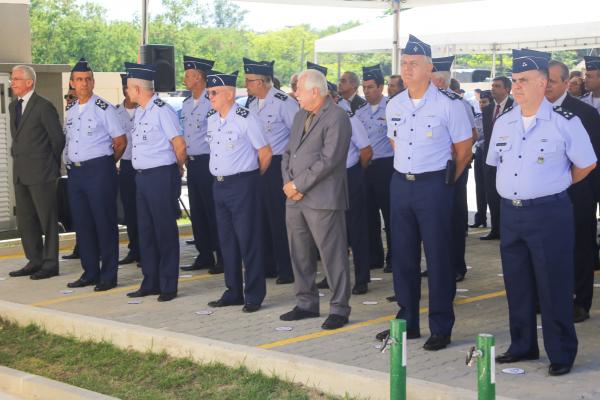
[(326, 376), (29, 386), (12, 247)]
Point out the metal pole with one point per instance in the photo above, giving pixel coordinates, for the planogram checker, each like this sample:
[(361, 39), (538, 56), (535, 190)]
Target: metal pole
[(144, 22), (486, 367), (339, 65), (398, 359), (493, 61), (396, 36)]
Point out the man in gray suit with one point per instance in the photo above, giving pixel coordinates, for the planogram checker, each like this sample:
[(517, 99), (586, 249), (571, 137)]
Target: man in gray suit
[(37, 145), (314, 175)]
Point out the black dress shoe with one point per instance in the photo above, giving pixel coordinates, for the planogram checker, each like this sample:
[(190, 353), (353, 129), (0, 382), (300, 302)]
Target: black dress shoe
[(141, 293), (25, 271), (216, 269), (323, 284), (388, 268), (284, 281), (166, 296), (190, 242), (250, 308), (579, 314), (104, 286), (129, 259), (460, 277), (193, 267), (391, 299), (73, 256), (490, 236), (334, 321), (478, 225), (409, 335), (436, 342), (507, 358), (559, 369), (80, 283), (360, 288), (297, 314), (45, 274), (224, 303), (424, 274)]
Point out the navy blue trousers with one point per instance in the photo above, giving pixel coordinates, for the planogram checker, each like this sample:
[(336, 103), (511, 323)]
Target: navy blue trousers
[(241, 237), (479, 172), (93, 198), (202, 206), (277, 256), (377, 189), (157, 194), (422, 211), (127, 188), (536, 246), (356, 224), (460, 223)]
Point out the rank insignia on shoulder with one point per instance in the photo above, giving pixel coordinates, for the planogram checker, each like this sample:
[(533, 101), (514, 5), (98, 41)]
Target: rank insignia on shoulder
[(159, 102), (450, 95), (281, 96), (103, 105), (243, 112), (211, 112), (249, 100), (350, 113), (361, 105), (506, 111), (564, 112), (69, 106), (187, 98)]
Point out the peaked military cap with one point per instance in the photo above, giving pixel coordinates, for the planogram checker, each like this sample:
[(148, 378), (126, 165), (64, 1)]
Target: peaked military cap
[(201, 64), (416, 47), (216, 78), (529, 60)]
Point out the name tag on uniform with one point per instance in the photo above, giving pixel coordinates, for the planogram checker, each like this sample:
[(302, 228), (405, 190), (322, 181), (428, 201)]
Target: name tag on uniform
[(500, 144)]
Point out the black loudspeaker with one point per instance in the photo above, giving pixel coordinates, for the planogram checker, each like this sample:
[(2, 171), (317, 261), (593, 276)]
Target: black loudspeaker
[(163, 58)]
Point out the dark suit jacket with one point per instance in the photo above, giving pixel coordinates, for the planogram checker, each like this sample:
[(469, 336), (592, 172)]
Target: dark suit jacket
[(317, 162), (589, 117), (357, 102), (37, 143), (487, 119)]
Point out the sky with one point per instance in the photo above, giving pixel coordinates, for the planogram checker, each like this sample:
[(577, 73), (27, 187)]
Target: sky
[(279, 16)]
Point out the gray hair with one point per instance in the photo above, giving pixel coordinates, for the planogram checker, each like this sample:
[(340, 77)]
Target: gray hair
[(143, 84), (28, 71), (443, 74), (564, 70), (353, 78), (267, 80), (314, 79)]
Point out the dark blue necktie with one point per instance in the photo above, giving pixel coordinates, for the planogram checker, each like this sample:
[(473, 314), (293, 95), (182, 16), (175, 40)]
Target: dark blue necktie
[(19, 112)]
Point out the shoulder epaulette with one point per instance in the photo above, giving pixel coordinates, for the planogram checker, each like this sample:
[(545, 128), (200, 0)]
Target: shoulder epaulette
[(69, 106), (243, 112), (249, 100), (102, 104), (159, 102), (361, 105), (506, 111), (450, 95), (211, 112), (350, 114), (187, 98), (281, 96), (564, 112)]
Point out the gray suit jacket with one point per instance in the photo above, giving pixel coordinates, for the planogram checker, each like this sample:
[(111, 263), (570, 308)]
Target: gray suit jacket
[(37, 143), (317, 162)]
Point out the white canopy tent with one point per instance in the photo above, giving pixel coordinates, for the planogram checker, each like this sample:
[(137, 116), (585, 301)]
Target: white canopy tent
[(488, 26)]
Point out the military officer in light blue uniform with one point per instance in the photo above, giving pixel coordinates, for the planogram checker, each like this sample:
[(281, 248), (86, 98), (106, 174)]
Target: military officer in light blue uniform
[(199, 179), (275, 110), (126, 113), (158, 157), (592, 81), (95, 142), (426, 127), (239, 154), (379, 172), (539, 151)]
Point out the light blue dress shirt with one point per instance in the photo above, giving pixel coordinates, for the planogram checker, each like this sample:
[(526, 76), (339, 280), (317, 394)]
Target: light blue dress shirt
[(376, 125), (127, 124), (194, 123), (358, 141)]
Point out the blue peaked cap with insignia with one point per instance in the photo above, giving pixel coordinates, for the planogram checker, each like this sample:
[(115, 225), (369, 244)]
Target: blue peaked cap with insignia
[(373, 73), (592, 63), (216, 78), (442, 64), (320, 68), (529, 60), (416, 47), (258, 67), (81, 66), (140, 71), (123, 80), (190, 62)]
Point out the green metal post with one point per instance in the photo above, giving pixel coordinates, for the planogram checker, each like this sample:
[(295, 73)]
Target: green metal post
[(486, 367), (398, 359)]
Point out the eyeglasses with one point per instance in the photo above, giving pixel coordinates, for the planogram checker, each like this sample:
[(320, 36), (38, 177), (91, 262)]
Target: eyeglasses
[(212, 93), (253, 80), (411, 64), (70, 97), (11, 81)]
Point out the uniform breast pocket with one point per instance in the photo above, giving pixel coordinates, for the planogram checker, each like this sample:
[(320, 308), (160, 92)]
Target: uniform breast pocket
[(90, 127), (209, 137), (398, 127), (231, 140), (502, 149), (429, 129), (542, 152)]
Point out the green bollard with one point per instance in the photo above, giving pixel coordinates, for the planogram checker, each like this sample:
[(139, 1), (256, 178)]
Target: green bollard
[(398, 359), (486, 367)]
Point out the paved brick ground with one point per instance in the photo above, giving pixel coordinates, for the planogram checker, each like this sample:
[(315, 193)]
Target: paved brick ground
[(480, 309)]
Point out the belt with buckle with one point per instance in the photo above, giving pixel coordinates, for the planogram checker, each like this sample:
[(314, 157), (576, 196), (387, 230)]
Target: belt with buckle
[(222, 178), (517, 203), (79, 164), (536, 201), (416, 177)]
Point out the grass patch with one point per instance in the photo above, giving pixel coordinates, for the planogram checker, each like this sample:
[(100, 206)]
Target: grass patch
[(104, 368)]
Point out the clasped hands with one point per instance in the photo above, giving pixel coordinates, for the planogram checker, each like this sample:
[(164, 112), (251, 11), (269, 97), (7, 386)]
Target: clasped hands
[(292, 192)]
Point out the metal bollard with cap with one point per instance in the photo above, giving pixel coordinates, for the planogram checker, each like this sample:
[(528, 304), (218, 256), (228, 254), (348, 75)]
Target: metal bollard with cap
[(484, 354), (397, 342)]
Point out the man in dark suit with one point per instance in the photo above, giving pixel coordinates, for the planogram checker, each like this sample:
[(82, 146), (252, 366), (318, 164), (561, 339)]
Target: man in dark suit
[(348, 89), (582, 193), (501, 86), (37, 144)]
